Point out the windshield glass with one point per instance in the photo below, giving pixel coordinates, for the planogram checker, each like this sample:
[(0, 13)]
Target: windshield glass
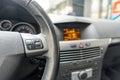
[(104, 9)]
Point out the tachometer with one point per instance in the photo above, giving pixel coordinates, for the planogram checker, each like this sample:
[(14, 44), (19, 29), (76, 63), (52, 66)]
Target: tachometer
[(23, 27)]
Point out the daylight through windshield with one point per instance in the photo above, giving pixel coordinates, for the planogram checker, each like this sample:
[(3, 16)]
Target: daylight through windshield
[(88, 8)]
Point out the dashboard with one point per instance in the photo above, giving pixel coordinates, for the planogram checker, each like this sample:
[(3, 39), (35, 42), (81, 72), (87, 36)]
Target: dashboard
[(83, 46), (83, 42)]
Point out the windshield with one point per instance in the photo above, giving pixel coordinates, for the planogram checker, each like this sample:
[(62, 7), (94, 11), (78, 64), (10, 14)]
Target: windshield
[(87, 8)]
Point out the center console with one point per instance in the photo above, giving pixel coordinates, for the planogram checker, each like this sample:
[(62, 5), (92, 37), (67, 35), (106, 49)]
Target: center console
[(81, 59), (81, 51)]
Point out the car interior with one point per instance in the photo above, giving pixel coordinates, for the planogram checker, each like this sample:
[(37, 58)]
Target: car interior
[(38, 46)]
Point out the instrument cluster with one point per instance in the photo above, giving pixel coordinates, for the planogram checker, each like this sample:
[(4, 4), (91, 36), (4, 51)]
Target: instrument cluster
[(22, 27)]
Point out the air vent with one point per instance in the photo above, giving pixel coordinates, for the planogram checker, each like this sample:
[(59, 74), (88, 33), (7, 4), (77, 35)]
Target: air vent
[(79, 54)]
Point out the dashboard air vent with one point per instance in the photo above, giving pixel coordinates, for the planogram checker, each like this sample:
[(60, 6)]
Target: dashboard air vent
[(79, 54)]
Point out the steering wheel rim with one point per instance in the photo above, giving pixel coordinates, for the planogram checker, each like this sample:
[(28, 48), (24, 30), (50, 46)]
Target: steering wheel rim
[(47, 32), (52, 62)]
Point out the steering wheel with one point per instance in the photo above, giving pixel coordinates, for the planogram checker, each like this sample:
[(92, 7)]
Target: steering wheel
[(14, 45)]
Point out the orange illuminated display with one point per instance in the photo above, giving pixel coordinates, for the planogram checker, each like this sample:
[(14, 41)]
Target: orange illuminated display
[(71, 34), (116, 7)]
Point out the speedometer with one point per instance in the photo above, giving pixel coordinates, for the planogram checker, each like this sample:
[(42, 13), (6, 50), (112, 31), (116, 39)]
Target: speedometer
[(24, 28)]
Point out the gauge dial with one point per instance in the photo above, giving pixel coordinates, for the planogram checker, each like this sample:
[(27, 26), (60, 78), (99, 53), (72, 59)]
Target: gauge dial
[(5, 24), (24, 28)]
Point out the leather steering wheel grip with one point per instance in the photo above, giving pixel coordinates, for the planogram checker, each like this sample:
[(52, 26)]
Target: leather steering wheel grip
[(47, 29)]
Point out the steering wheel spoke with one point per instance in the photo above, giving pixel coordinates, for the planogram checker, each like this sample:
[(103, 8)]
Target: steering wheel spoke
[(34, 44)]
